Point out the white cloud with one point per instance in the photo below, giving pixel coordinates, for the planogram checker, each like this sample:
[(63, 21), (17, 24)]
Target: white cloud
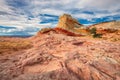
[(4, 6), (99, 8), (99, 4), (18, 16)]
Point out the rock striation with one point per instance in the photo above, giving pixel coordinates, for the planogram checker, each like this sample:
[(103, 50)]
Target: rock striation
[(115, 25), (61, 57), (67, 22), (67, 25)]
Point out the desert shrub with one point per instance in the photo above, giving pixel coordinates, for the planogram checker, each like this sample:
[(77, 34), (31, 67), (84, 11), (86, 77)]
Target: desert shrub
[(94, 34), (93, 31), (97, 35)]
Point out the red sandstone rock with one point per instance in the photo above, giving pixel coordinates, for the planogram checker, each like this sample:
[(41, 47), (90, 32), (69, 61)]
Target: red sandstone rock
[(61, 57)]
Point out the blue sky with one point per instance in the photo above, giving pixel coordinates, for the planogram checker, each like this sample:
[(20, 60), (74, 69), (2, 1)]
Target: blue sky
[(26, 17)]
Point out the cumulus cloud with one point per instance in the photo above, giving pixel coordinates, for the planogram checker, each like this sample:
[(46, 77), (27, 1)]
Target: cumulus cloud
[(27, 15)]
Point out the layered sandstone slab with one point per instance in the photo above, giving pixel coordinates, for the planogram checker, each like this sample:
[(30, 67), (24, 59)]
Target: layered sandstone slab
[(67, 22)]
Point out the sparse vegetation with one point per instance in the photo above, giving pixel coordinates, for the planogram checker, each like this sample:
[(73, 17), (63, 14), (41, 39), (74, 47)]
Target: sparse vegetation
[(93, 31), (12, 46), (94, 34)]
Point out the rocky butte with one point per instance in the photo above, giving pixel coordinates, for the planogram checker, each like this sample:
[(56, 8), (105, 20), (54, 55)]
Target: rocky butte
[(67, 22), (66, 52), (68, 25)]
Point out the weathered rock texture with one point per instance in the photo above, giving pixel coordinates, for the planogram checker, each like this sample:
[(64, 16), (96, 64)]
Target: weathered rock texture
[(67, 22), (109, 30), (115, 25), (60, 57), (56, 55)]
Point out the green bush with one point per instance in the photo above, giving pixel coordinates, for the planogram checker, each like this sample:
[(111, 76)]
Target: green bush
[(97, 35), (94, 34), (93, 31)]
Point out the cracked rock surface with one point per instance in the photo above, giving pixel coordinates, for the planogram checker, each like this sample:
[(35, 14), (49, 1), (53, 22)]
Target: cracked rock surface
[(60, 57)]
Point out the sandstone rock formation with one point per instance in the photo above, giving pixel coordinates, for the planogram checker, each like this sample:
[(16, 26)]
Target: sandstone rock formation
[(68, 23), (60, 57), (109, 30), (68, 26), (107, 25), (56, 56)]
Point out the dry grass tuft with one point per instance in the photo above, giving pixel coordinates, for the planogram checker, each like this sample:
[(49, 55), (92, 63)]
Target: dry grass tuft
[(10, 46)]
